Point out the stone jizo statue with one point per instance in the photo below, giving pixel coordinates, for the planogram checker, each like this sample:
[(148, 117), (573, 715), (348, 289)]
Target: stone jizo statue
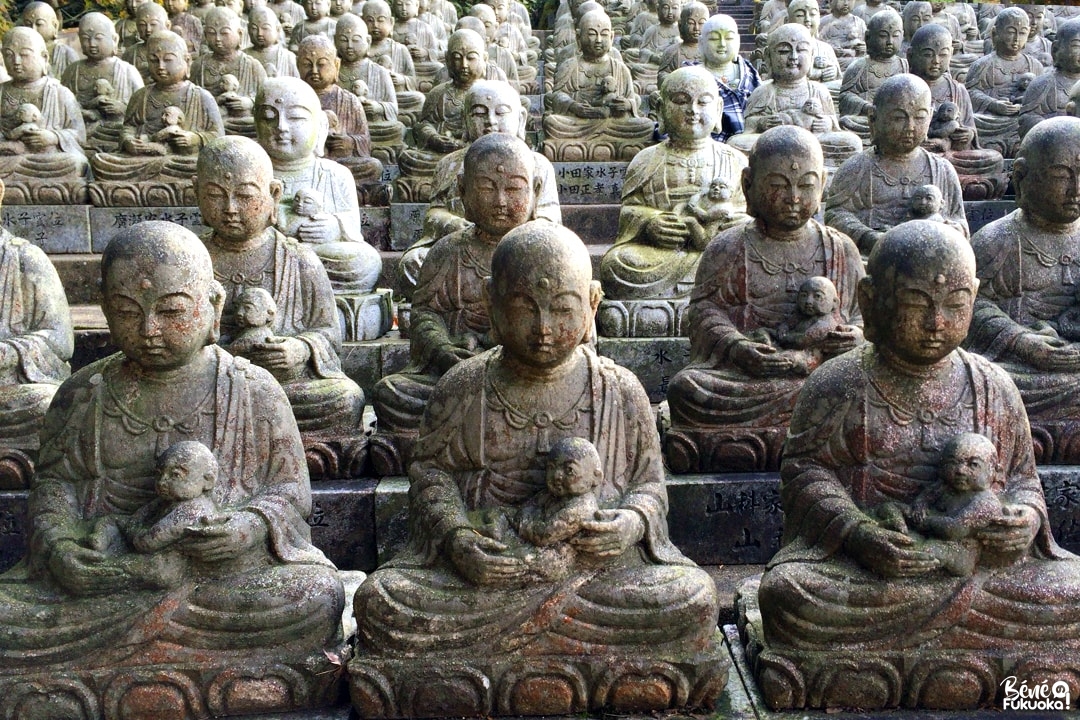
[(124, 627), (878, 426), (884, 36), (464, 604)]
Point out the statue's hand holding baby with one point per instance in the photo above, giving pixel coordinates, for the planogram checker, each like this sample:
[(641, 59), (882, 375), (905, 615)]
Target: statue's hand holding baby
[(281, 353), (1012, 533), (668, 230), (611, 534), (480, 559), (234, 535)]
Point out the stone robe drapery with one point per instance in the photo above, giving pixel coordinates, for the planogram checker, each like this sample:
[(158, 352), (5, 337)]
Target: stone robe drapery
[(861, 81), (60, 58), (380, 87), (123, 76), (853, 210), (765, 103), (846, 453), (277, 57), (336, 190), (634, 267), (417, 605), (1046, 96), (96, 462), (60, 112), (207, 72), (352, 121), (306, 311), (34, 322), (987, 82), (727, 304)]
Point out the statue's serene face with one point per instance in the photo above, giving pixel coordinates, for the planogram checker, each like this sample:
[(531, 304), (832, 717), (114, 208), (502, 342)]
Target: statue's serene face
[(926, 314), (502, 10), (840, 7), (487, 16), (287, 127), (931, 57), (542, 310), (917, 15), (263, 28), (1011, 37), (1067, 51), (339, 7), (159, 312), (43, 19), (690, 31), (1049, 184), (594, 35), (791, 60), (902, 122), (406, 9), (235, 198), (25, 56), (168, 62), (494, 110), (316, 9), (720, 44), (97, 39), (667, 11), (150, 21), (222, 35), (785, 190), (352, 42), (883, 40), (690, 108), (466, 58), (805, 13), (318, 67), (498, 193), (379, 21)]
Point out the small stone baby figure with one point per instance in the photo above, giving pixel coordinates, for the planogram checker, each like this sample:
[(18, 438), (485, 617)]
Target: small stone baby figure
[(607, 87), (818, 307), (556, 515), (172, 118), (360, 89), (255, 313), (103, 91), (945, 121), (230, 87), (333, 122), (1020, 86), (926, 201), (29, 121), (306, 205), (707, 210)]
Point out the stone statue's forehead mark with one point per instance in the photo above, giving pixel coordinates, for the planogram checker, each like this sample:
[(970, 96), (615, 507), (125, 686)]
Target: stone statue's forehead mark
[(939, 279), (146, 283), (543, 283)]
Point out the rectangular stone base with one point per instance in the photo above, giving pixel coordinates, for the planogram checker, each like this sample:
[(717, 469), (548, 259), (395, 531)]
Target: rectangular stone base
[(383, 687), (240, 684), (56, 229)]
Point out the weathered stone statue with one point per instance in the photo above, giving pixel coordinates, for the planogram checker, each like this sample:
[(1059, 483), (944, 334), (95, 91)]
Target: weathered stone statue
[(441, 126), (45, 165), (644, 59), (1027, 271), (773, 14), (870, 431), (992, 82), (419, 39), (489, 107), (349, 143), (648, 273), (844, 31), (42, 18), (238, 620), (380, 103), (825, 67), (317, 21), (208, 71), (735, 77), (981, 171), (238, 197), (871, 192), (264, 29), (582, 125), (869, 9), (380, 24), (36, 343), (916, 14), (449, 319), (291, 126), (1038, 45), (458, 623), (150, 18), (687, 50), (1047, 95), (147, 171), (184, 23), (125, 25), (864, 76), (731, 405), (789, 97), (98, 41)]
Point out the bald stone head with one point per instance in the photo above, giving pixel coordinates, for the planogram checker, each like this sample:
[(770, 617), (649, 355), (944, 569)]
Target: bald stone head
[(25, 55), (791, 153), (236, 168), (1047, 168), (151, 18), (806, 13), (317, 61), (42, 18), (1064, 49), (884, 34), (916, 14), (503, 161), (594, 34), (289, 120), (790, 52), (901, 115), (493, 106), (471, 22), (692, 19), (719, 41)]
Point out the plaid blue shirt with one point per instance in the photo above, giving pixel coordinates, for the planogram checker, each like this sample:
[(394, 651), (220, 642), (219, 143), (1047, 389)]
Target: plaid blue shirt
[(734, 99)]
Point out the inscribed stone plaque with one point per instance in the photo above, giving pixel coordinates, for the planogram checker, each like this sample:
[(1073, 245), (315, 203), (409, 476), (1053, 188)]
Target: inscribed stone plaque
[(593, 183), (654, 360), (983, 212), (406, 222), (105, 222), (375, 224), (342, 523), (53, 228)]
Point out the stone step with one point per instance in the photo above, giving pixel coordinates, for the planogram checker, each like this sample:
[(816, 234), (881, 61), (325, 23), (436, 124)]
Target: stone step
[(731, 520)]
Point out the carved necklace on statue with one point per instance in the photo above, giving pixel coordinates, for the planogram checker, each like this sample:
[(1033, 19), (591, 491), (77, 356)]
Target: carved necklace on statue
[(541, 421), (692, 164), (1049, 260), (951, 416), (164, 425), (244, 275), (907, 183), (773, 262)]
